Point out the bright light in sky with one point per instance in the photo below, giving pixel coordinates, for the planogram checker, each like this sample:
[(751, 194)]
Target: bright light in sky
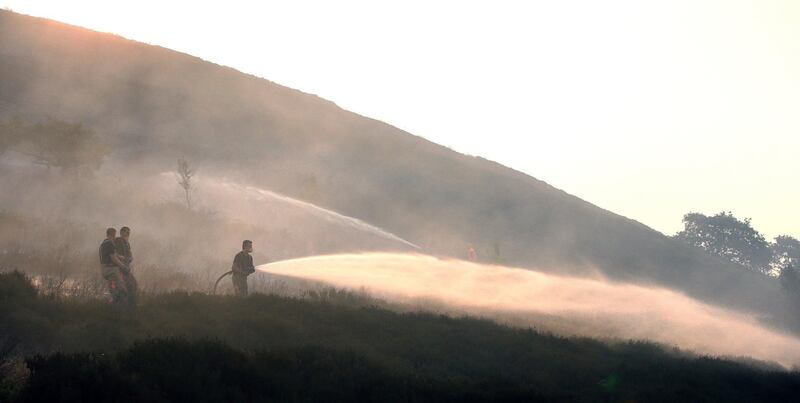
[(649, 109)]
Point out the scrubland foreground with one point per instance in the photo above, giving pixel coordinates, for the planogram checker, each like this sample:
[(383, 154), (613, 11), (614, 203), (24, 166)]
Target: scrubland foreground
[(332, 346)]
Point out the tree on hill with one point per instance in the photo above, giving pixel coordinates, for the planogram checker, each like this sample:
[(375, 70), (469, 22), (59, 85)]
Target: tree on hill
[(726, 236), (71, 147), (790, 281), (785, 253)]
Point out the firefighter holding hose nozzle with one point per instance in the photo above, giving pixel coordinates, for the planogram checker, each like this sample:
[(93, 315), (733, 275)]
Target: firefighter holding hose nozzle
[(242, 267)]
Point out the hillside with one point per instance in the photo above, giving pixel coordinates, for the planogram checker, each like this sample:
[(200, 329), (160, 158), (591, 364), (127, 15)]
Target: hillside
[(152, 105), (333, 347)]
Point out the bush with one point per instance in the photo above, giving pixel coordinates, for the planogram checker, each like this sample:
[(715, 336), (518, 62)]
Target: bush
[(16, 287)]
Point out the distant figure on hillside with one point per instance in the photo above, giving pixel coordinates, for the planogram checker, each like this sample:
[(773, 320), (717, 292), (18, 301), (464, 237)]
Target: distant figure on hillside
[(123, 247), (111, 268), (472, 256), (242, 267)]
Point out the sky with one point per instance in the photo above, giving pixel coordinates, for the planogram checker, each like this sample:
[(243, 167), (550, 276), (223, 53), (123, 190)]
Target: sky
[(650, 109)]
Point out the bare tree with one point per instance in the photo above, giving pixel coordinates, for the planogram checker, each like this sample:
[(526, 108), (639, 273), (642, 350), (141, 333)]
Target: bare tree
[(185, 175)]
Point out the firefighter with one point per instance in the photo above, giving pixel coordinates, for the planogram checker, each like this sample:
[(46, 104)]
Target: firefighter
[(123, 247), (242, 267), (472, 256), (112, 267)]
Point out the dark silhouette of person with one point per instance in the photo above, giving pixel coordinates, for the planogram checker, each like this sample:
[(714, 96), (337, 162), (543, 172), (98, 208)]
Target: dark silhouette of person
[(111, 268), (123, 247), (242, 267)]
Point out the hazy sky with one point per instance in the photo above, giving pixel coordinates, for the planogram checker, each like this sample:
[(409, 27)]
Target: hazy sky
[(649, 109)]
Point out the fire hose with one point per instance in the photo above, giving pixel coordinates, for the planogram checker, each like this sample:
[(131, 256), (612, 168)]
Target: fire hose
[(214, 292), (220, 279)]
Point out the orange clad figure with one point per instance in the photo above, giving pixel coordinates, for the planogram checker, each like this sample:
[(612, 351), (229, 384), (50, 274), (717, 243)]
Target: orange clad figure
[(472, 256)]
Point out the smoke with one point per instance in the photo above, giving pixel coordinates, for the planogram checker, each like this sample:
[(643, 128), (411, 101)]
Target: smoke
[(240, 201), (52, 223), (575, 306)]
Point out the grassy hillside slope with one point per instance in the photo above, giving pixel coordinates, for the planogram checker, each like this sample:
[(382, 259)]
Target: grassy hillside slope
[(153, 104), (332, 347)]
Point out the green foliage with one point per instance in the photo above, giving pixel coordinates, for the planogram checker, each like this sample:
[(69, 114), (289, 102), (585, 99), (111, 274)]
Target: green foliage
[(726, 236), (193, 347), (790, 281), (785, 253)]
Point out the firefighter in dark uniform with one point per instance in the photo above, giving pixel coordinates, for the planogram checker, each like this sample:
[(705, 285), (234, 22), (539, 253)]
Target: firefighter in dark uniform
[(123, 247), (242, 267), (112, 267)]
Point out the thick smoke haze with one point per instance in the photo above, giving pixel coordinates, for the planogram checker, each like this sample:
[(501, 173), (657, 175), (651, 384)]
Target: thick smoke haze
[(302, 177), (152, 105), (53, 223), (576, 306)]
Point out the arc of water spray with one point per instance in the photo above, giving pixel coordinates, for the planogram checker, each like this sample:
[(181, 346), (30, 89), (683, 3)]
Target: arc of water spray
[(264, 195), (331, 215)]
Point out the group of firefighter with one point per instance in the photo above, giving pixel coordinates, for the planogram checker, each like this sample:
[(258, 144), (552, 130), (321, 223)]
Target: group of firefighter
[(116, 260)]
